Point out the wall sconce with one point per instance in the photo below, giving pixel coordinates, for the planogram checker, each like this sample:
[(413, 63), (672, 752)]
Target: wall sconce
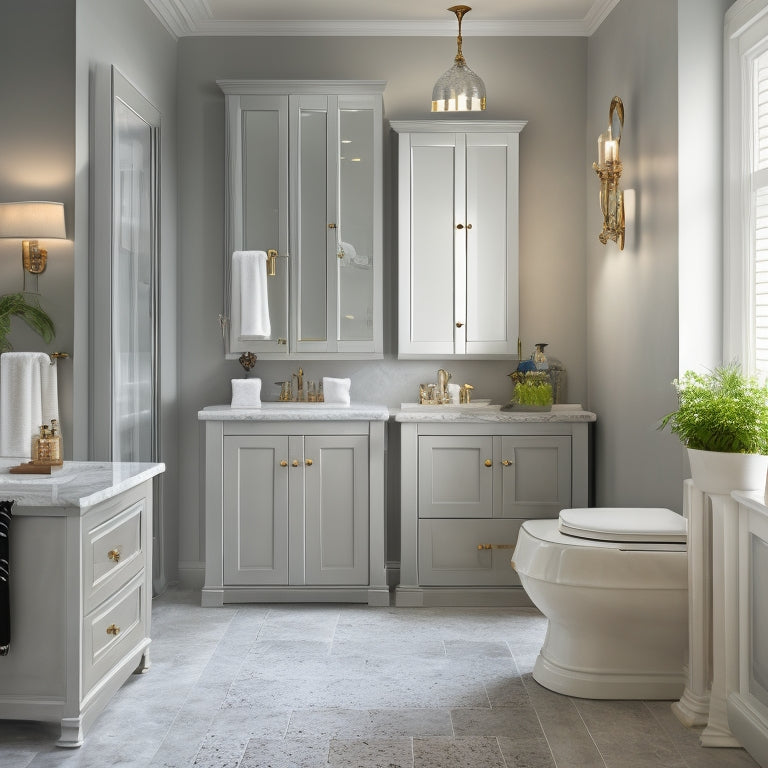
[(608, 168), (458, 89), (32, 219)]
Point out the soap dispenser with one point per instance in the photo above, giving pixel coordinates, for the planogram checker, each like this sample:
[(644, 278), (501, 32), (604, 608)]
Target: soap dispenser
[(539, 358)]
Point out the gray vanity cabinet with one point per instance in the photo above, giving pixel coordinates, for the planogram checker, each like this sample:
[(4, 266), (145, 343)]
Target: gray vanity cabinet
[(294, 511), (466, 488)]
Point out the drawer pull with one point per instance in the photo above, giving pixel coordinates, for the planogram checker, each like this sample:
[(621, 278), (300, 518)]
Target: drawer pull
[(488, 463), (309, 462), (283, 463), (113, 629), (114, 554), (507, 463), (295, 463), (495, 546)]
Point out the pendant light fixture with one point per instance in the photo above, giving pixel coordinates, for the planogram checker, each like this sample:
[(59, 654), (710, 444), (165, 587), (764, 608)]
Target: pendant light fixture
[(459, 89)]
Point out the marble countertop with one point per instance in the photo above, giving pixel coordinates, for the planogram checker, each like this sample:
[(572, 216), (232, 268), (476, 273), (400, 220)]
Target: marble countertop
[(296, 412), (491, 414), (78, 484)]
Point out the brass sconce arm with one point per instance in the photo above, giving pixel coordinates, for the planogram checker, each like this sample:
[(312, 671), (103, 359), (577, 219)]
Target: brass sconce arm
[(608, 169)]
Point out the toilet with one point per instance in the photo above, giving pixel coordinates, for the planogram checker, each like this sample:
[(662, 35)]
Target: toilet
[(613, 584)]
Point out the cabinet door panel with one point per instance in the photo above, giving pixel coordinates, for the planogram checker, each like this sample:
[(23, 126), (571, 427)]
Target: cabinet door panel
[(537, 480), (449, 554), (492, 300), (454, 480), (255, 538), (336, 504)]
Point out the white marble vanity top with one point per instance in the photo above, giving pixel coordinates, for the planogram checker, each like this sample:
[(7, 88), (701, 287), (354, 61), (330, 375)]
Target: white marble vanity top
[(491, 413), (78, 484), (296, 412)]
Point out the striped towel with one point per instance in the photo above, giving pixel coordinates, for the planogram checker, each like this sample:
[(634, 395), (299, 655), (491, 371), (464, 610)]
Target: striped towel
[(5, 597)]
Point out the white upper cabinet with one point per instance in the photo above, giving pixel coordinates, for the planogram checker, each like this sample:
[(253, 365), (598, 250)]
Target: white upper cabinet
[(458, 238), (304, 179)]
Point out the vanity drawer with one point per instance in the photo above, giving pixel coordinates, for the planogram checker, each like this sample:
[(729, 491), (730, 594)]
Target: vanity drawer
[(113, 550), (449, 554), (112, 631)]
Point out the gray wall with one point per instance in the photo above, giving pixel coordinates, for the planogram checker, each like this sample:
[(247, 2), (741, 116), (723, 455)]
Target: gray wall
[(130, 37), (632, 295), (542, 80), (37, 143)]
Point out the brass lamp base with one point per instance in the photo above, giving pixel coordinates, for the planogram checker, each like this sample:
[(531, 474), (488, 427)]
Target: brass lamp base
[(33, 257)]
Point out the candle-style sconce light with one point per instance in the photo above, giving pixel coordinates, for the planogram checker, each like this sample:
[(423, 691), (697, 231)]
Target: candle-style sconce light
[(608, 168)]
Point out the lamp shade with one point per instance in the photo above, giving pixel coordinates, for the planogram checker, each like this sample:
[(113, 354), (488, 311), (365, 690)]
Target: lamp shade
[(458, 90), (32, 219)]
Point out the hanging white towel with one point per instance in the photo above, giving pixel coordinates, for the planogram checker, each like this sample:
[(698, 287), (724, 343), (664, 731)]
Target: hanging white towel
[(250, 297), (28, 398)]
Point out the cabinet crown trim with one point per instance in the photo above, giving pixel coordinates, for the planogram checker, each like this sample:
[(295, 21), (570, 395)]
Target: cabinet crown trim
[(283, 87), (454, 126)]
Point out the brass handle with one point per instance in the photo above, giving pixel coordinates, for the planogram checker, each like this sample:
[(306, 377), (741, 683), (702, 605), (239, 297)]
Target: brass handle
[(459, 226), (113, 629), (331, 226), (507, 462), (488, 463), (114, 554), (309, 462), (283, 463), (459, 325), (495, 546), (295, 463), (469, 226), (271, 262)]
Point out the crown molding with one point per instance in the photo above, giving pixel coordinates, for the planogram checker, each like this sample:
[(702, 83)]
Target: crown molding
[(190, 18)]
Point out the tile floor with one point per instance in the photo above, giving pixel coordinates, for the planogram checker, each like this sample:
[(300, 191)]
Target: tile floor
[(286, 686)]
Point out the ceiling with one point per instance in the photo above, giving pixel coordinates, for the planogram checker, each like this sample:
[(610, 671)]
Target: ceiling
[(364, 18)]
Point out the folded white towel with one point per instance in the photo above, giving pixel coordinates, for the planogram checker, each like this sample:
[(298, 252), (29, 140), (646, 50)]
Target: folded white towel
[(336, 390), (250, 295), (453, 393), (28, 398), (246, 393)]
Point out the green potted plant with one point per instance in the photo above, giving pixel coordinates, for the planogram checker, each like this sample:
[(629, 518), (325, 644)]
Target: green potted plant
[(18, 305), (722, 419)]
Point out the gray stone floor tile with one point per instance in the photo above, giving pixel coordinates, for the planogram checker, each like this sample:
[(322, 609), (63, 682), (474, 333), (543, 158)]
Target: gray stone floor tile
[(513, 722), (286, 753), (332, 723), (526, 753), (483, 752), (400, 723), (370, 753)]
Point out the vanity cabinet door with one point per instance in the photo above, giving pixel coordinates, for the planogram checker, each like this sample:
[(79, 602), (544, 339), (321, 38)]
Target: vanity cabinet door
[(536, 475), (336, 509), (458, 239), (255, 509), (456, 476)]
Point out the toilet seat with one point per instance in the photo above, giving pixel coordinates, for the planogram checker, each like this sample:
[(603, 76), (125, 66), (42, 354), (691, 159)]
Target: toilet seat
[(626, 525)]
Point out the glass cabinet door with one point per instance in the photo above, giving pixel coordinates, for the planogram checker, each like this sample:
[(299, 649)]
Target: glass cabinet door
[(259, 215)]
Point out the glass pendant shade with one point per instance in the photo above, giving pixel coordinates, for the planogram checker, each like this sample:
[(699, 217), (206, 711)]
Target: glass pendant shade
[(459, 89)]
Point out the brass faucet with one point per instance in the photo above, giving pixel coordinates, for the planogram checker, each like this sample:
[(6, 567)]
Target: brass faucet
[(465, 393), (299, 383)]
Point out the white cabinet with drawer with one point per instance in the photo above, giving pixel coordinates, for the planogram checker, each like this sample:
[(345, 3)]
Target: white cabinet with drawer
[(294, 506), (80, 591), (466, 488)]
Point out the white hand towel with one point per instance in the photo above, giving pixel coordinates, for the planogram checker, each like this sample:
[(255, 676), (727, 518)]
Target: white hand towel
[(336, 390), (246, 393), (28, 398), (250, 295), (453, 393)]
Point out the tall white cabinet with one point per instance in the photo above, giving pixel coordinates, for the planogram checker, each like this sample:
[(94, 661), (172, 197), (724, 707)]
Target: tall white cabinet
[(304, 179), (458, 203)]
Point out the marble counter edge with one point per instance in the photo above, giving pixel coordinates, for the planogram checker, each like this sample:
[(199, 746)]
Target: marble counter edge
[(280, 412), (494, 417)]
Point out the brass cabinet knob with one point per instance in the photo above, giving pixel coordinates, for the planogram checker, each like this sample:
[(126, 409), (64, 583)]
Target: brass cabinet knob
[(331, 226), (459, 226), (459, 325), (309, 462), (484, 546), (295, 463), (488, 463), (283, 463), (469, 226), (113, 629), (114, 554), (507, 462)]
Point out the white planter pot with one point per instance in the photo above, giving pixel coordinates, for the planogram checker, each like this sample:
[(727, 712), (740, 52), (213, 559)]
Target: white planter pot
[(715, 472)]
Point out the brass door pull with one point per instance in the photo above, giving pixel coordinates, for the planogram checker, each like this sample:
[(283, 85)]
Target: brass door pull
[(488, 463), (469, 226), (495, 546), (459, 226), (507, 462), (114, 554), (309, 462), (459, 325), (331, 226), (283, 463), (113, 629), (295, 463)]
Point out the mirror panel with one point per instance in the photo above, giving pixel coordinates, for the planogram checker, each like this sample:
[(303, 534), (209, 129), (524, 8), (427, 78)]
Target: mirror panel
[(312, 225), (354, 246), (261, 206)]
